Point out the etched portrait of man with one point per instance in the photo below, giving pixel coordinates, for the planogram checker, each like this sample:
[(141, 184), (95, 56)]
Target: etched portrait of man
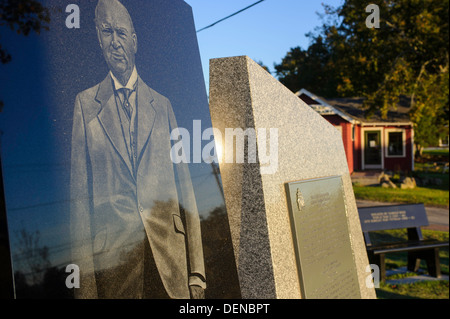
[(131, 236)]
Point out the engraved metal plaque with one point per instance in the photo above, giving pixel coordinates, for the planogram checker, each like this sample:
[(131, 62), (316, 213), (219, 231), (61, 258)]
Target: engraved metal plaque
[(325, 259)]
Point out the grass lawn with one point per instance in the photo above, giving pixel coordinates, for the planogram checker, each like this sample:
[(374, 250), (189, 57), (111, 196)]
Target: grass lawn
[(421, 290), (437, 152), (433, 190), (428, 196)]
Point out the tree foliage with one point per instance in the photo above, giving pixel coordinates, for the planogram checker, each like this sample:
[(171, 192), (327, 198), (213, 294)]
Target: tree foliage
[(22, 16), (407, 55)]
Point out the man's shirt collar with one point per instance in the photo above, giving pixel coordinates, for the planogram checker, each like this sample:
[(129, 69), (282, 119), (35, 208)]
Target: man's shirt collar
[(131, 81)]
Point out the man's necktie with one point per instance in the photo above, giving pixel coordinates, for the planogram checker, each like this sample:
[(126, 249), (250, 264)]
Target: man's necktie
[(128, 109), (126, 104)]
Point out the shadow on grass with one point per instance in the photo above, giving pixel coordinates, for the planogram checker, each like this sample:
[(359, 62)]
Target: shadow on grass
[(417, 290), (383, 294)]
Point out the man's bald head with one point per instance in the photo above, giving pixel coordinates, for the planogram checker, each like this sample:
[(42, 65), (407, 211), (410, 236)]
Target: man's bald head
[(106, 8), (117, 38)]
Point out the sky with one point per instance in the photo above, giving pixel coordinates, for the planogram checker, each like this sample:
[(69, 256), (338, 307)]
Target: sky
[(265, 32)]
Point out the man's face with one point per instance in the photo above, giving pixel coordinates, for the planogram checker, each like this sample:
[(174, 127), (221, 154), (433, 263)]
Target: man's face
[(118, 42)]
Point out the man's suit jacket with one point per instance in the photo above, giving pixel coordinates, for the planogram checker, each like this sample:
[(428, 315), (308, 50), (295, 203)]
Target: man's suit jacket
[(110, 205)]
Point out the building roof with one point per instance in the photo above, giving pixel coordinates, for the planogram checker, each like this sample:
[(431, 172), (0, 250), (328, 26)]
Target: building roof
[(321, 106), (351, 109)]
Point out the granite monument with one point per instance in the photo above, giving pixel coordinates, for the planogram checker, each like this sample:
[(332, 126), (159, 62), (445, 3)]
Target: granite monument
[(293, 217), (96, 206)]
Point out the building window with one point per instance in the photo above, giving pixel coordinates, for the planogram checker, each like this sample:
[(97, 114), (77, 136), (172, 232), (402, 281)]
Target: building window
[(396, 143)]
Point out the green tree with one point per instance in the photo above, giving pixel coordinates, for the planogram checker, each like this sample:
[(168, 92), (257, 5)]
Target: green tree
[(407, 55), (429, 110), (309, 69)]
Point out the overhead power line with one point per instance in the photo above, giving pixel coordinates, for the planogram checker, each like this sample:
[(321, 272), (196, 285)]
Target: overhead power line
[(231, 15)]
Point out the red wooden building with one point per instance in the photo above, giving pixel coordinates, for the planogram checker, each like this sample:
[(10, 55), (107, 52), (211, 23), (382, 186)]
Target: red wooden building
[(370, 143)]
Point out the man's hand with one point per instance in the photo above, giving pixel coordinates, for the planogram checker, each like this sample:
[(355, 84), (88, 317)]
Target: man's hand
[(197, 292)]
